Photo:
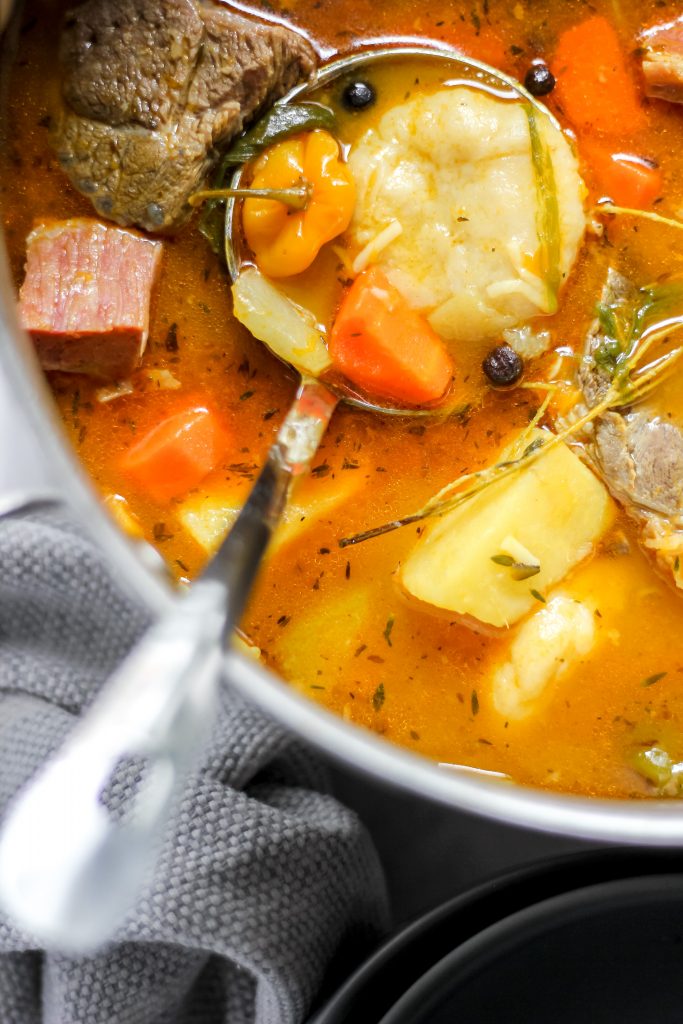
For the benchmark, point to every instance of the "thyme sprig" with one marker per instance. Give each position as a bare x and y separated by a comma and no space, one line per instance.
630,383
548,211
631,328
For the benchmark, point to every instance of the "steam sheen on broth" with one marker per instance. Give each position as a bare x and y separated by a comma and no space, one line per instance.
585,684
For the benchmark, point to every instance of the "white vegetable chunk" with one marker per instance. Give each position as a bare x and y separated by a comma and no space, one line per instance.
455,167
289,330
547,645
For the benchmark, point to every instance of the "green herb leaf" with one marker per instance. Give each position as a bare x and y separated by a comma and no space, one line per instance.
539,597
638,317
378,697
548,213
211,225
474,703
520,571
387,630
278,123
608,320
651,680
533,447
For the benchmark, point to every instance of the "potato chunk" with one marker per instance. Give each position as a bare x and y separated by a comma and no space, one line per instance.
555,510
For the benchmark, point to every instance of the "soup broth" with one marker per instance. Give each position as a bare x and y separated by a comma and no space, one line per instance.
333,621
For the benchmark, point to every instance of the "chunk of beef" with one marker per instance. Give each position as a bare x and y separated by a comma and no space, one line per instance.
86,295
638,455
152,88
663,61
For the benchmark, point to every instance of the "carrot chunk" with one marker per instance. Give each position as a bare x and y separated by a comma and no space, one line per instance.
176,454
595,89
626,179
387,348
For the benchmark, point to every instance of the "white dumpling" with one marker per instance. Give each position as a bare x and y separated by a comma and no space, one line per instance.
455,169
552,641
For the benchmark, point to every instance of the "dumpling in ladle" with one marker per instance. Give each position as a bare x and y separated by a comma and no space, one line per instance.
489,200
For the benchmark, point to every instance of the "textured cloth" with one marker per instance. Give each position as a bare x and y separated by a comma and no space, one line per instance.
264,878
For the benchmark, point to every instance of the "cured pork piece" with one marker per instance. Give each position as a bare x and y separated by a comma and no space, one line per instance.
152,88
638,452
663,61
86,296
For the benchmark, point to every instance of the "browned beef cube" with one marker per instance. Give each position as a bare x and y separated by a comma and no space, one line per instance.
153,89
86,296
663,61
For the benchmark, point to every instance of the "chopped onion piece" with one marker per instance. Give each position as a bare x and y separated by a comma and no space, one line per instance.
290,331
109,393
163,380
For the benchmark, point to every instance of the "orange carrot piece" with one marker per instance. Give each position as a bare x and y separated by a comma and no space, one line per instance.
176,454
595,89
626,179
482,45
387,348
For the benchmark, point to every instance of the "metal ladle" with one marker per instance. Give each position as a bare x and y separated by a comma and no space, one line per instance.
70,871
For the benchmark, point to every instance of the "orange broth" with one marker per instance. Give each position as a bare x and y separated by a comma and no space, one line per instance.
331,621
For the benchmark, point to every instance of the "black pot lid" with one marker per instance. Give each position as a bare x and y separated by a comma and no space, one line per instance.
378,985
602,954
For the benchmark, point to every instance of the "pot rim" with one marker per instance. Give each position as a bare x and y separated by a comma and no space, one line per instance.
56,474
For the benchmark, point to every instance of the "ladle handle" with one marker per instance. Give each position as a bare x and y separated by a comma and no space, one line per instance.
239,557
70,868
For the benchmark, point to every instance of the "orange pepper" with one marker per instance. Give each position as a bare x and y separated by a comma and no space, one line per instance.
286,241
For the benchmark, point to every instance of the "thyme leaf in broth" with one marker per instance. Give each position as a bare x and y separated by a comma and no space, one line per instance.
654,678
548,211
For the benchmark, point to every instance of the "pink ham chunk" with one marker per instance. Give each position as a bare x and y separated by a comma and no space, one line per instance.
663,61
86,296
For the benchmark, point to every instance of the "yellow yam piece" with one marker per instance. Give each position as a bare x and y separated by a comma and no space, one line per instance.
244,646
554,508
208,517
311,646
118,507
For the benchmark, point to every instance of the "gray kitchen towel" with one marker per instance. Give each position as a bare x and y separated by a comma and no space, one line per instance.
265,877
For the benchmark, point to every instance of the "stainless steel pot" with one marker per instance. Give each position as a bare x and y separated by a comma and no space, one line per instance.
38,465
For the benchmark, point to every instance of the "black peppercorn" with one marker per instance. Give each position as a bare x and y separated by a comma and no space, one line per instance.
358,95
539,80
503,366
